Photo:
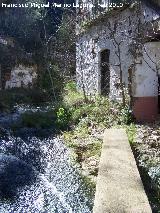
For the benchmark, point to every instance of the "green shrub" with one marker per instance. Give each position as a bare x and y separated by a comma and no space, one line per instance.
70,86
71,97
63,117
126,116
131,132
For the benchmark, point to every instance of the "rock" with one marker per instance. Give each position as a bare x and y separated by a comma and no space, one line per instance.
3,132
14,173
90,166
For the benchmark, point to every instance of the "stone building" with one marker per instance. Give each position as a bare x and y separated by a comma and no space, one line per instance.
118,50
21,76
17,68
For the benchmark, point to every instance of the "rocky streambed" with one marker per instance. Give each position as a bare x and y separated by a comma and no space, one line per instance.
35,172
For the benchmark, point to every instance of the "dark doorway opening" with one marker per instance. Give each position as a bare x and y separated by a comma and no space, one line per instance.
105,72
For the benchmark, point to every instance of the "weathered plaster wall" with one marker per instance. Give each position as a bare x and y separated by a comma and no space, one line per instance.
22,76
145,84
100,37
146,73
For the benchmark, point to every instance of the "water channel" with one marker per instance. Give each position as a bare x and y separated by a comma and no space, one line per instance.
35,172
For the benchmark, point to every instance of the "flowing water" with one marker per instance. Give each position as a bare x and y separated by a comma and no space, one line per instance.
48,182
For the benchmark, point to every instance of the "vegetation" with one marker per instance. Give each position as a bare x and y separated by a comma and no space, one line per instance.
99,110
87,123
38,37
16,96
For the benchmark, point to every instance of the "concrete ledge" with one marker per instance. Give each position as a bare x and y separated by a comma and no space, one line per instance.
119,187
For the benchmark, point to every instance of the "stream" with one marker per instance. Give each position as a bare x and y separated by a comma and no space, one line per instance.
35,173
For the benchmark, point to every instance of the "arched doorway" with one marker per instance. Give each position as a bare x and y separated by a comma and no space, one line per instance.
105,72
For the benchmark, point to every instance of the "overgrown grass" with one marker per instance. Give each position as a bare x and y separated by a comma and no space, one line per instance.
98,110
89,188
57,119
88,121
131,133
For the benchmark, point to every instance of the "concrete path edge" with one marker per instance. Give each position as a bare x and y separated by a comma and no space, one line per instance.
119,187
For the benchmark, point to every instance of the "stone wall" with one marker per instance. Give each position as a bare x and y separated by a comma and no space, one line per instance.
118,30
21,76
17,67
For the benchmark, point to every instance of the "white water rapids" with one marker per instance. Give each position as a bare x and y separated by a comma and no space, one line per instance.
58,188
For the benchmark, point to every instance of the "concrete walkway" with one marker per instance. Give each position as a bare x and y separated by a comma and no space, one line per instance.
119,187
